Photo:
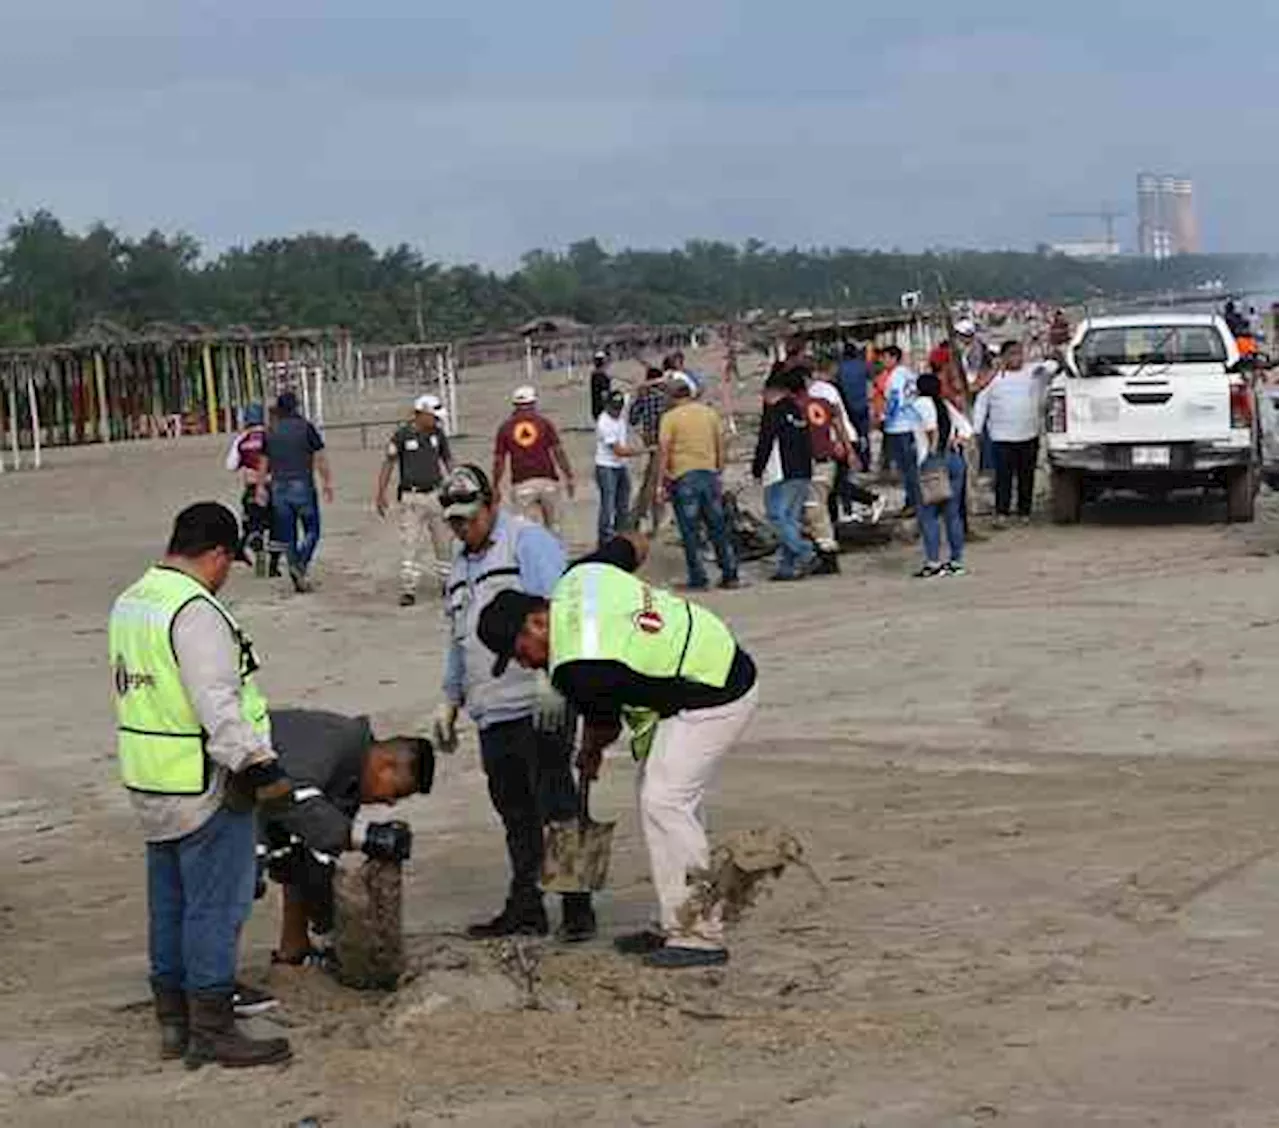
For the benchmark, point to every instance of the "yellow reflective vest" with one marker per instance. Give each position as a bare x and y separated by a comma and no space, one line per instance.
602,613
159,739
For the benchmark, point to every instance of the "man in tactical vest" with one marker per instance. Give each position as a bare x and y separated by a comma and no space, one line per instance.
420,452
621,650
189,719
526,732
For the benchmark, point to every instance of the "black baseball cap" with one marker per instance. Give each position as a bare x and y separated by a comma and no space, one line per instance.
207,525
501,622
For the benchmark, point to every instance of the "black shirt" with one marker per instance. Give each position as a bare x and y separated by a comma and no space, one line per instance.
291,448
601,383
422,457
784,425
599,688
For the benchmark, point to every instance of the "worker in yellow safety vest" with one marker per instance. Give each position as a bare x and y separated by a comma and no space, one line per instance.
194,743
620,649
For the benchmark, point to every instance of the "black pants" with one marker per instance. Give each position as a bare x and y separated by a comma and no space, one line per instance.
257,519
530,784
1016,460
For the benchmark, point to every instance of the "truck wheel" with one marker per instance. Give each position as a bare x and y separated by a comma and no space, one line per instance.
1241,488
1065,496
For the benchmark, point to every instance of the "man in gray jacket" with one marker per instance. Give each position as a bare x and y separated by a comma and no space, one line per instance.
526,732
336,766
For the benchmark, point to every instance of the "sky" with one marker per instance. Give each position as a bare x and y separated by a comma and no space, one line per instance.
476,130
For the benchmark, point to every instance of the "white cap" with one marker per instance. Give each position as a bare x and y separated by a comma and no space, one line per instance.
685,379
600,355
965,327
524,395
428,403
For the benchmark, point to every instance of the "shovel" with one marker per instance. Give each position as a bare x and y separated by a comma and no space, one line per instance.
575,855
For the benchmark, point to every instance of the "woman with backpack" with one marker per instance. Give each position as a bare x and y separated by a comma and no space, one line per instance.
941,431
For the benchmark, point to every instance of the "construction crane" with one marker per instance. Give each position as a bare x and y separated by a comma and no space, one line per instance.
1104,213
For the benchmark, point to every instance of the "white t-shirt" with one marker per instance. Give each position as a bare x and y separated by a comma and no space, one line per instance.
609,431
824,390
927,420
1010,405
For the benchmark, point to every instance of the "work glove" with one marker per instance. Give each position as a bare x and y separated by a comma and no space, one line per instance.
444,728
550,709
388,841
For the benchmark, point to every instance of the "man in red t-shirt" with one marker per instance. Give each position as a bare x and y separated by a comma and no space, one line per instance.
246,457
529,439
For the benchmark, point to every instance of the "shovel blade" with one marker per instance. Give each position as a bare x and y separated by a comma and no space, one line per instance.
575,857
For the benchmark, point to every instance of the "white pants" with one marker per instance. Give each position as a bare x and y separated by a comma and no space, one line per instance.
671,786
422,523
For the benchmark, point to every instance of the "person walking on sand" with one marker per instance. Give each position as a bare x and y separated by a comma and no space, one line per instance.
645,416
529,440
941,433
245,457
620,649
900,422
192,732
293,457
419,452
691,458
613,448
783,465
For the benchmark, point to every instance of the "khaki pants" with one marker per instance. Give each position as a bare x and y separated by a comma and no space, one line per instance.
422,520
817,517
671,785
646,505
538,499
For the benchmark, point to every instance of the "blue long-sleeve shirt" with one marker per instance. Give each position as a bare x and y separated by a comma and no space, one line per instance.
541,560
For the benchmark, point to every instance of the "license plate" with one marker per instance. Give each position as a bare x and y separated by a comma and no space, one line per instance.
1150,456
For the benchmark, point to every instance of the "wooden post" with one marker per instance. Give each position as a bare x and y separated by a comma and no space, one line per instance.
224,380
391,367
100,383
318,373
453,390
13,418
35,419
360,373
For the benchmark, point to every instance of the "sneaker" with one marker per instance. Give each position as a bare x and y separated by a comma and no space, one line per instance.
784,577
929,572
408,599
828,564
531,921
249,1001
957,568
673,957
730,583
1000,521
299,577
1024,520
639,943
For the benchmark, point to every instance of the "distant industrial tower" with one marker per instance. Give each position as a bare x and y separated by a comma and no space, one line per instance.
1166,217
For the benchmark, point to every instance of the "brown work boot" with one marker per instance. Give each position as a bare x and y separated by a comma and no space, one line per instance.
171,1013
214,1036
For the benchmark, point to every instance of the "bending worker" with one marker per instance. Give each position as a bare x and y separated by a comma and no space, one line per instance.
336,765
420,453
189,719
619,649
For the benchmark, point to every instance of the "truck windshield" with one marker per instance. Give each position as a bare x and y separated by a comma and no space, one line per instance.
1102,351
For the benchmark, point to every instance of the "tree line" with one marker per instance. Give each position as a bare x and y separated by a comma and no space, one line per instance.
55,282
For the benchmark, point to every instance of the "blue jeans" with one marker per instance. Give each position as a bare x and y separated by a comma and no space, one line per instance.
860,417
783,506
199,893
951,512
902,449
294,504
614,484
697,496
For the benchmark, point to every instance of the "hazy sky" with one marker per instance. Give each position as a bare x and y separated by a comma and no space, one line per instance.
479,129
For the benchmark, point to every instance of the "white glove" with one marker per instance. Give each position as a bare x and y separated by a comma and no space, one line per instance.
444,729
550,709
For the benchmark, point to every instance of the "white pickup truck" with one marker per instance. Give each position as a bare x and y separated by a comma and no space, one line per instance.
1153,402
